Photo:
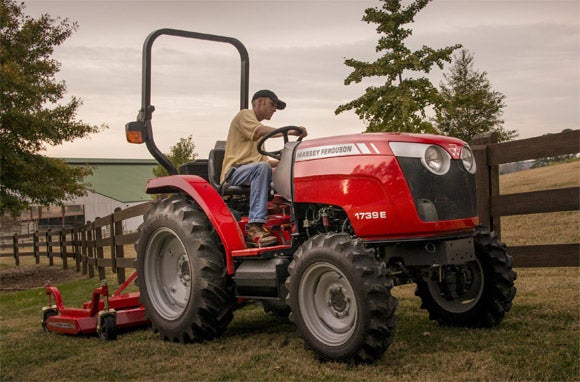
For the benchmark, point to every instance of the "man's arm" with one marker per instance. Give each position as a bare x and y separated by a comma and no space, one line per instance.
263,130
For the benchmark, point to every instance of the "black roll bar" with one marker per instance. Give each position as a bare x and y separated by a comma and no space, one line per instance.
146,112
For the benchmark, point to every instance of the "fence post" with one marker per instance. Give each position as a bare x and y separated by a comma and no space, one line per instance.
119,249
487,179
49,253
15,247
90,246
99,252
63,253
76,248
36,247
84,248
113,246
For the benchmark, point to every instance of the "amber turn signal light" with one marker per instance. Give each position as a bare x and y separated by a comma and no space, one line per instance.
134,132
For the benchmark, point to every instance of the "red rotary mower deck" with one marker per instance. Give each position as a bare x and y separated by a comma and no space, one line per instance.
103,314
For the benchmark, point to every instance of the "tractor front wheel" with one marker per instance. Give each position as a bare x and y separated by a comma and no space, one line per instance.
476,294
341,301
181,273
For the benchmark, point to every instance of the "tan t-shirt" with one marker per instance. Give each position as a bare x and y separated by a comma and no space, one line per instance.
242,142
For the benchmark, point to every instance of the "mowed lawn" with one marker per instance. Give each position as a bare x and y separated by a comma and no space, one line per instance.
538,340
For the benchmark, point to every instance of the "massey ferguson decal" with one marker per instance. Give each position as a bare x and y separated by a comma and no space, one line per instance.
454,150
335,151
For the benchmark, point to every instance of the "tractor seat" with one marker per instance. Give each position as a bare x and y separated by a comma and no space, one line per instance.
215,162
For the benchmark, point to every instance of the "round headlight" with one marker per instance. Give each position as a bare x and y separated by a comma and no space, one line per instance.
436,160
468,159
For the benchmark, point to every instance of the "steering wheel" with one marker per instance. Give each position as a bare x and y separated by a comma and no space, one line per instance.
282,130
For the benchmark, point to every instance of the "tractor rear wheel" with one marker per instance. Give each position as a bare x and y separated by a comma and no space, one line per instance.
181,273
476,294
341,301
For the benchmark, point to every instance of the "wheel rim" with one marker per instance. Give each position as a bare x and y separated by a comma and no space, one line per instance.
327,304
468,295
167,273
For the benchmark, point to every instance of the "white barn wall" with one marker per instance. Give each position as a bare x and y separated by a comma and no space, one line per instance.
98,206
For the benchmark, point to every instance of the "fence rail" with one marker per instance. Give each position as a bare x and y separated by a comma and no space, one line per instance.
98,245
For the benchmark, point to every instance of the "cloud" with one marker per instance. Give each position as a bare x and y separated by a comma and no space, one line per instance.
530,50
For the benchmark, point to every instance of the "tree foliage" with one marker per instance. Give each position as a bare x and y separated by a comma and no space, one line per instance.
469,104
402,102
183,152
32,114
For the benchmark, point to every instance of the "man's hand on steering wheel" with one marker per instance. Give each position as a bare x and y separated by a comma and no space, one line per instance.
303,134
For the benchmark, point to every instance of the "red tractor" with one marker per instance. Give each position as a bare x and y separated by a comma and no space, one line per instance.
355,215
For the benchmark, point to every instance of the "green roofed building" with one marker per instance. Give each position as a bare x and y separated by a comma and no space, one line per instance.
122,180
115,183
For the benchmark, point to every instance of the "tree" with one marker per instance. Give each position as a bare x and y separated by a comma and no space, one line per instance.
183,152
400,104
469,104
32,114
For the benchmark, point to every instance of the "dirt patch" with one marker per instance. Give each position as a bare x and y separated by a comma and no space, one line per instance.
35,276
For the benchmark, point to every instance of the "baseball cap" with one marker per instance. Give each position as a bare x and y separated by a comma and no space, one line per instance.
280,105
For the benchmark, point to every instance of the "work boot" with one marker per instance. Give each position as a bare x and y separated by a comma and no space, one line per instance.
258,235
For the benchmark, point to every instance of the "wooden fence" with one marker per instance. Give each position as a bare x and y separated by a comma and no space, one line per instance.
492,205
85,246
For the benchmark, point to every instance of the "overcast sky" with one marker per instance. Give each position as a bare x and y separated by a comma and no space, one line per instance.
530,50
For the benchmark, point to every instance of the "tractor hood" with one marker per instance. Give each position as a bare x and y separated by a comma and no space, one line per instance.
370,144
406,184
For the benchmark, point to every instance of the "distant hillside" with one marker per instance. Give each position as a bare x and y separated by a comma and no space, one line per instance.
542,178
548,228
508,168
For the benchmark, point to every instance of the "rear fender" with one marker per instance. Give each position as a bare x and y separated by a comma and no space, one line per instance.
212,205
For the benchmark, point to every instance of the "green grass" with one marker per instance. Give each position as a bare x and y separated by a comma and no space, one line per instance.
538,340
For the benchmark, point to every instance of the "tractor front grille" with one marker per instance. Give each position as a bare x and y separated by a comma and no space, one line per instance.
440,197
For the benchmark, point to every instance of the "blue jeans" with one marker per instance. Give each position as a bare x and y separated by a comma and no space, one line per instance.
258,176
